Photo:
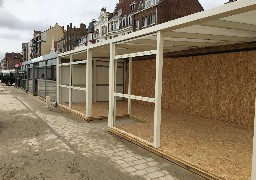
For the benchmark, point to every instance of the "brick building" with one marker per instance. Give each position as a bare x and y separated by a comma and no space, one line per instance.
174,9
71,36
11,59
133,15
41,44
26,51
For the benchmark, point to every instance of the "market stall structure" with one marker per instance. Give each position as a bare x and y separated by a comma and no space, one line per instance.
182,78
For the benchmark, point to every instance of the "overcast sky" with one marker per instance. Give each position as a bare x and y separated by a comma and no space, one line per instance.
18,18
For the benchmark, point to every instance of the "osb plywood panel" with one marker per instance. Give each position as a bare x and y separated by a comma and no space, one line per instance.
218,86
221,148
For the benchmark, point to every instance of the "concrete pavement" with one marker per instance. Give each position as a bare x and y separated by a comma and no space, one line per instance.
47,143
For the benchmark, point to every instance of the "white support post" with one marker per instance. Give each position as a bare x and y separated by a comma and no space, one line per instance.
89,84
111,115
130,87
253,177
158,88
58,80
115,90
94,80
70,83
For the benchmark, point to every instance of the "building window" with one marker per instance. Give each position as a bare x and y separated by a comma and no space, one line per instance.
132,6
137,24
130,20
110,27
150,19
144,21
120,12
149,3
115,26
102,31
124,22
153,18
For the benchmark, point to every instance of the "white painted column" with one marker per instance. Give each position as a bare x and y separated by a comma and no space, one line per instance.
89,84
130,86
115,90
111,115
58,80
253,177
94,80
70,83
158,89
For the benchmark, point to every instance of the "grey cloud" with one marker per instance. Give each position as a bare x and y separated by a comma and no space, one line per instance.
1,3
2,55
10,21
10,36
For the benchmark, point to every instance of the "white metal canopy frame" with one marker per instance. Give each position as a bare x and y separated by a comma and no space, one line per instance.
70,85
229,24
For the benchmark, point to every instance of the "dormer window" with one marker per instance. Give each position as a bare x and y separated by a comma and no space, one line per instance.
124,21
132,6
120,12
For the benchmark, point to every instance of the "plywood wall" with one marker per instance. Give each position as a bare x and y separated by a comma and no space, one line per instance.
219,86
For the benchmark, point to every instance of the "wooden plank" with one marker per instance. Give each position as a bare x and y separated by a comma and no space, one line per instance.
143,53
139,98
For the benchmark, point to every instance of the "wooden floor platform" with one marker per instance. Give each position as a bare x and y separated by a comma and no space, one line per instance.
160,153
99,110
217,148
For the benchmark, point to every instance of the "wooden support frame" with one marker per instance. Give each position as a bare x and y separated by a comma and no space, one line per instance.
158,88
70,83
89,84
94,80
58,78
130,87
158,85
111,115
204,19
139,98
144,53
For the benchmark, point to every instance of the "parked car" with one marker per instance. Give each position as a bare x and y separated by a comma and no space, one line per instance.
8,77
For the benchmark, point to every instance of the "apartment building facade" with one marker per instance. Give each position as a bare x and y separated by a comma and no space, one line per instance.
71,37
41,44
10,60
101,26
134,15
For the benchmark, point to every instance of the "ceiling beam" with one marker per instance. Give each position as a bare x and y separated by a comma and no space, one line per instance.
207,37
230,25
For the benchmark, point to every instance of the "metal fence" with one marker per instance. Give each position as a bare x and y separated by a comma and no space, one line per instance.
23,84
47,88
30,86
